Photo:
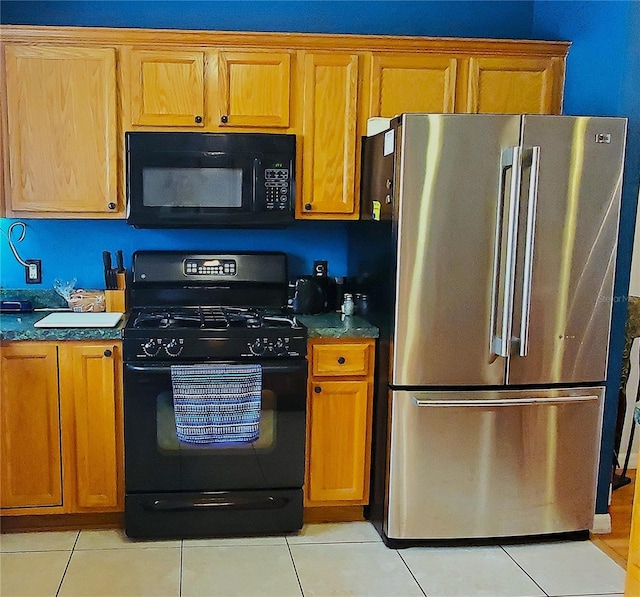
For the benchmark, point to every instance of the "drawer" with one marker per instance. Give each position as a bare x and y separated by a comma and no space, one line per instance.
341,359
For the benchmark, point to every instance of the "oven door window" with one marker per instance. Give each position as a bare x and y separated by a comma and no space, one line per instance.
157,461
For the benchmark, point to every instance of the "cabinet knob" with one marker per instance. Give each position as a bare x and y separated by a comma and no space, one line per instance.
111,206
307,206
198,119
224,119
341,360
317,389
107,353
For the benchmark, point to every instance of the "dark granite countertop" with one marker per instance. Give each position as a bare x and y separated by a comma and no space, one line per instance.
334,325
19,326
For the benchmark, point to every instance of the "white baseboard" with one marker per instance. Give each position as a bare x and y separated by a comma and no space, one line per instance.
601,524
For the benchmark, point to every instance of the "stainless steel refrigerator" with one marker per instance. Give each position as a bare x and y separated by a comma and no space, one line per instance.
503,233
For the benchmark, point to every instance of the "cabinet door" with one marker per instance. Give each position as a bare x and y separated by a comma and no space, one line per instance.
62,128
30,417
513,85
90,389
412,83
167,88
254,89
338,458
329,137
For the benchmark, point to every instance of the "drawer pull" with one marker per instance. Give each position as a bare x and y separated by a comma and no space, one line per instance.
317,389
107,353
341,360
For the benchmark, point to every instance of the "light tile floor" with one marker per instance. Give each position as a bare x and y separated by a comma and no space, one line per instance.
323,559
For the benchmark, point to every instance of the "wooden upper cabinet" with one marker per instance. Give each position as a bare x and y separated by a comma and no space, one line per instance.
62,131
514,85
31,467
254,89
412,83
167,88
329,136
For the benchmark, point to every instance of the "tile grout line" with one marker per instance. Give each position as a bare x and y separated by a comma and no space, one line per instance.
523,570
294,566
411,572
64,573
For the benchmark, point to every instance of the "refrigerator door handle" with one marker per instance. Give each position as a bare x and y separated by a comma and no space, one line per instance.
532,204
503,284
529,400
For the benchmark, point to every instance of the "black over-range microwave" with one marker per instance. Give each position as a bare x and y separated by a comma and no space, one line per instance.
202,180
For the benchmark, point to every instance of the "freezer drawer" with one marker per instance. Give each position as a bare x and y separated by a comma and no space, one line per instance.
482,464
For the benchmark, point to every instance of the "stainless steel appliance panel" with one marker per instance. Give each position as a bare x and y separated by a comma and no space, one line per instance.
572,241
492,463
451,196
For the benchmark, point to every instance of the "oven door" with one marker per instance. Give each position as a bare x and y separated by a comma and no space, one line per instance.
156,461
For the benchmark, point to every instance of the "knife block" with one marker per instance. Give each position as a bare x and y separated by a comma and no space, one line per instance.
115,300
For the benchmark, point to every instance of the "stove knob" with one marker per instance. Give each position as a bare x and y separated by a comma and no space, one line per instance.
279,348
151,348
173,347
257,348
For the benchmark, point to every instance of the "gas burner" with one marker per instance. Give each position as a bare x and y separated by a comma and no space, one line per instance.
218,318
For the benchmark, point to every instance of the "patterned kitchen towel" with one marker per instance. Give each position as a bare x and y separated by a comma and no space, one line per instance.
216,403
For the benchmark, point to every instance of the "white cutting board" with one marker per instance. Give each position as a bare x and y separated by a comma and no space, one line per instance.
79,320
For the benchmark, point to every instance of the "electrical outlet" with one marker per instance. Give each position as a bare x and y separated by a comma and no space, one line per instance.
33,271
320,269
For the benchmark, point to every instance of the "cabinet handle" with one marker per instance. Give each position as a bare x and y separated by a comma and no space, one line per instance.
198,119
111,206
107,353
341,360
307,206
224,119
317,389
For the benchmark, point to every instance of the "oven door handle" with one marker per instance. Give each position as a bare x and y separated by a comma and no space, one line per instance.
288,367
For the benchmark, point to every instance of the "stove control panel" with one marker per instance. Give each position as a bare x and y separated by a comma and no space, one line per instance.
210,267
188,349
278,347
161,347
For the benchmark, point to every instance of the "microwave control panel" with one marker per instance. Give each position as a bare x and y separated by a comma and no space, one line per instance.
276,181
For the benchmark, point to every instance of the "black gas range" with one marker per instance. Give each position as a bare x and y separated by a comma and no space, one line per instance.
202,314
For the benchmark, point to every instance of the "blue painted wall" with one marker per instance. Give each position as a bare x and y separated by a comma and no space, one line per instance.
603,78
459,18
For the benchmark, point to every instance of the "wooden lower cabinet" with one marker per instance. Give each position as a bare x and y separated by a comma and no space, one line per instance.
339,411
62,448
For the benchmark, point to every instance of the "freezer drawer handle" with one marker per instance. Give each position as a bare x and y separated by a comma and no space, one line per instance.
504,267
504,402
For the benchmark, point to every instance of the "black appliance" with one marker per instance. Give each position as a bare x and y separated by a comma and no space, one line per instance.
208,180
312,294
202,308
